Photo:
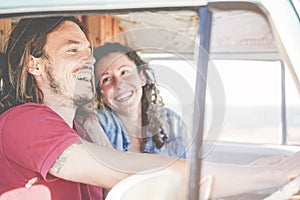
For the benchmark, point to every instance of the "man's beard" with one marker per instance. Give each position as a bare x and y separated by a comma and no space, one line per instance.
78,99
54,85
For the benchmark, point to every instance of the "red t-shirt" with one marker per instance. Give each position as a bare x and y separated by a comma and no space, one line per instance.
32,136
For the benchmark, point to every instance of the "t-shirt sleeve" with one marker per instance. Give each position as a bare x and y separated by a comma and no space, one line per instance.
35,137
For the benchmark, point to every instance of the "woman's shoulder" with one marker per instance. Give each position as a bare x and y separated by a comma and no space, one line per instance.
174,119
106,115
172,114
109,120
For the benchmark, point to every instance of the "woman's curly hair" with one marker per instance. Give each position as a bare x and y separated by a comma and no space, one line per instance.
153,110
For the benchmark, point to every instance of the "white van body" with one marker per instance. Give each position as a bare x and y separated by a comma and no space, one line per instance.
204,35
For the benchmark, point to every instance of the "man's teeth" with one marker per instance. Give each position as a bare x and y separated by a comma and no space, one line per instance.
83,76
124,96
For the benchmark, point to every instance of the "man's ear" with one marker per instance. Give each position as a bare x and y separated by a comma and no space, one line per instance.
33,66
143,78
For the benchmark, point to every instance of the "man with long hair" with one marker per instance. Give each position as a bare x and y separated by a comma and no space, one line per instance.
48,76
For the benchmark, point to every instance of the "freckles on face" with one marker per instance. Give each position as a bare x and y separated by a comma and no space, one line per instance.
119,81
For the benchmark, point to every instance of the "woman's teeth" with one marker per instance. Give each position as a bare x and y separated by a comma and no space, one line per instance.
124,96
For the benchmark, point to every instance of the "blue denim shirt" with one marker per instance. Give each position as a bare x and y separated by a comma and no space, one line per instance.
174,127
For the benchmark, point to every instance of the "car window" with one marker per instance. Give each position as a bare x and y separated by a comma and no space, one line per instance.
261,105
253,101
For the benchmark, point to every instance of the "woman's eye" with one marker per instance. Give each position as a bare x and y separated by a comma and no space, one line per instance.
105,80
124,72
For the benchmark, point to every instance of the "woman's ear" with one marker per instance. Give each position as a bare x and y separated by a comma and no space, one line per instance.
33,66
143,78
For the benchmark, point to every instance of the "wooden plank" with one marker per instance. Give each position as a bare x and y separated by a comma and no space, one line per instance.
118,32
5,29
106,28
92,22
103,28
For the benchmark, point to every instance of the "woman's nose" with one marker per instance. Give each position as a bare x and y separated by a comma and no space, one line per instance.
119,83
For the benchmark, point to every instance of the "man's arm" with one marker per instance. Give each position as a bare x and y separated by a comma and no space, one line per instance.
230,179
91,164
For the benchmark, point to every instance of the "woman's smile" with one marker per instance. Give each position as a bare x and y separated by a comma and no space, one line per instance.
125,96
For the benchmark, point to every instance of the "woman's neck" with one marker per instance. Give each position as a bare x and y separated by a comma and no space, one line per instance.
132,122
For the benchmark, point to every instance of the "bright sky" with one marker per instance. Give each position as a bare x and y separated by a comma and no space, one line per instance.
245,83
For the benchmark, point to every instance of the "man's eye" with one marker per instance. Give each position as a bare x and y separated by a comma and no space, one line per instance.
72,50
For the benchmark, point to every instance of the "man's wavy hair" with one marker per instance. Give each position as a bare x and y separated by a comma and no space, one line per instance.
153,110
27,38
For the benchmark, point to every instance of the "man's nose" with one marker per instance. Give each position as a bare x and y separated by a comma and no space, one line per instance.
90,59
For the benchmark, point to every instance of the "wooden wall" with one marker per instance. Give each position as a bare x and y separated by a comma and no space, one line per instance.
5,29
102,27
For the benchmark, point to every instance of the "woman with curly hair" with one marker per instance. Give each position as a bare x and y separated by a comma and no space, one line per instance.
131,110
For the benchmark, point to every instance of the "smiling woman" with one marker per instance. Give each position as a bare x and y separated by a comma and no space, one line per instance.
130,107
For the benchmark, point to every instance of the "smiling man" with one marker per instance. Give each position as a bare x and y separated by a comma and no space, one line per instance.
50,70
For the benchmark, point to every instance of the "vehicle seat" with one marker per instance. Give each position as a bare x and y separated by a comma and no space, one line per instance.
160,185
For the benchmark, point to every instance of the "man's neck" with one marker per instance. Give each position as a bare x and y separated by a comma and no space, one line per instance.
64,108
